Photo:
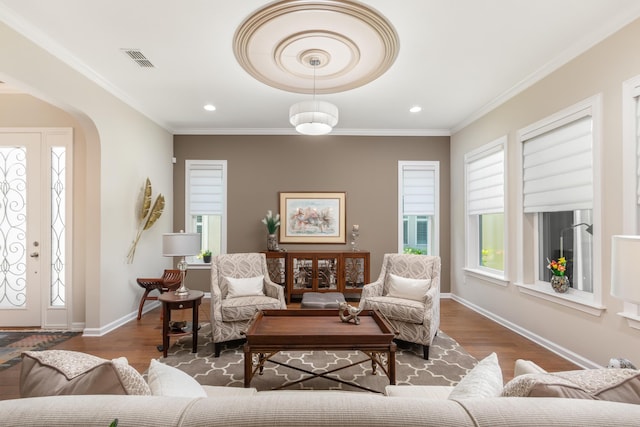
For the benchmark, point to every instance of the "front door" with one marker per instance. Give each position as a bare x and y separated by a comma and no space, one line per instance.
34,192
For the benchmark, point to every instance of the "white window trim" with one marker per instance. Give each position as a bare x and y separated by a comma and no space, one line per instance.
587,302
472,265
435,165
630,207
223,238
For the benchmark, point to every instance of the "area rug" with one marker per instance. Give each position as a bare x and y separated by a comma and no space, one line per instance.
448,363
13,343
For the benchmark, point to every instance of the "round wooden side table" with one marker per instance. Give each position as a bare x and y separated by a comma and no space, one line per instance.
171,301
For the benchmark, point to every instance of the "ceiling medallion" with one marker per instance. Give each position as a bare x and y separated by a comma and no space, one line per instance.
354,43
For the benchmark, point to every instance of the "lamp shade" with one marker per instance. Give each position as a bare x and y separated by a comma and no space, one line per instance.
180,244
313,117
625,268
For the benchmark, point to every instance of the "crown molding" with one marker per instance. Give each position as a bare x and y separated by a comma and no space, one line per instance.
18,24
291,131
562,59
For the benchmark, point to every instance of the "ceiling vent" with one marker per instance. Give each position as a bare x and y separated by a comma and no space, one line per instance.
138,57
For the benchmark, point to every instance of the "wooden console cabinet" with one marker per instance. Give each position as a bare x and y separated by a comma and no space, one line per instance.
319,271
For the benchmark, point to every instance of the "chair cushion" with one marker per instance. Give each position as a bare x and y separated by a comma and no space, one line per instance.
244,287
58,372
408,288
243,308
405,310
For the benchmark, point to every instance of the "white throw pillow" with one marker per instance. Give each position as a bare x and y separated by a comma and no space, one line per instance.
484,380
402,287
165,380
245,287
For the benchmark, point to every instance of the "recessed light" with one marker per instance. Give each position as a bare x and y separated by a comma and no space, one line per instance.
415,109
210,107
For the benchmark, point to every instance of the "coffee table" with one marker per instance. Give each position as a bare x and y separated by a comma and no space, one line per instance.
272,331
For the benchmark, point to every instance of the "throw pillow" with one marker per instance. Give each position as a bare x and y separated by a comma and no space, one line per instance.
56,372
165,380
484,380
617,385
248,286
413,289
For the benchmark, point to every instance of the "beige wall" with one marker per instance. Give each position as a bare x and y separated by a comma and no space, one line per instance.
366,168
122,148
601,70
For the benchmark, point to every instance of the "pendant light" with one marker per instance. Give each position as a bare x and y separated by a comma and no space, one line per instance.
313,117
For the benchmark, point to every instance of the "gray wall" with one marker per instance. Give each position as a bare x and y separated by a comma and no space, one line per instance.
364,167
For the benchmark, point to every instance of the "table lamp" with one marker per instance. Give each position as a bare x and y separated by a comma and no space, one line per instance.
625,268
182,245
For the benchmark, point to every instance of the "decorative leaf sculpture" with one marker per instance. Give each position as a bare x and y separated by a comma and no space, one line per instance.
148,216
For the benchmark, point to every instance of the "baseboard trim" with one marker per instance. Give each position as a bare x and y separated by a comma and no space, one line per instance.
549,345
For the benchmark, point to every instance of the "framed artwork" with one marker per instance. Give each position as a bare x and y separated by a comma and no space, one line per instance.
308,217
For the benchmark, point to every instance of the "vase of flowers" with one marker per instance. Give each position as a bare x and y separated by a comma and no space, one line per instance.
272,223
559,282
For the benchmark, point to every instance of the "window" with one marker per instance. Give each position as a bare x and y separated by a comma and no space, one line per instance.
567,234
560,203
418,198
206,203
484,180
631,156
631,176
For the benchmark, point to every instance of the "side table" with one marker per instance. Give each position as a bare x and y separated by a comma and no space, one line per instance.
171,301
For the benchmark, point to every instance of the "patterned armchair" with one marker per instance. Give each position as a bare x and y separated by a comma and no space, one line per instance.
240,286
408,294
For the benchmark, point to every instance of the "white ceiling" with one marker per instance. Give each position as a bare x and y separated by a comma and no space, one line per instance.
457,58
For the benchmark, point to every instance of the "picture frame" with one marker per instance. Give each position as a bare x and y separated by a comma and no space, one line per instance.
313,217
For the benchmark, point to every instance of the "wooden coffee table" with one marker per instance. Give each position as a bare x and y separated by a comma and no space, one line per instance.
272,331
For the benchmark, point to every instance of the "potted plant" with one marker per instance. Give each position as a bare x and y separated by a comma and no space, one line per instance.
272,223
206,256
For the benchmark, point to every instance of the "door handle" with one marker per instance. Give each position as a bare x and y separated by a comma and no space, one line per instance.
34,254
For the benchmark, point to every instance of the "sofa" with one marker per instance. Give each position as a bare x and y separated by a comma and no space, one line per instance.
175,399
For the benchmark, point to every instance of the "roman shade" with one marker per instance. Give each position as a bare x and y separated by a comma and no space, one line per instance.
205,187
485,182
557,168
418,190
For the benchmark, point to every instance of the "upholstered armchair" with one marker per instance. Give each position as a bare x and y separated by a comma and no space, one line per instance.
240,286
407,293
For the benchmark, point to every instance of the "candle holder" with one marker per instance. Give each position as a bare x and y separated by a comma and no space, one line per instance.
355,234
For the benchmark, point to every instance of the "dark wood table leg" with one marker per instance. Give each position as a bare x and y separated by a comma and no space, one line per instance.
248,366
392,364
194,326
166,318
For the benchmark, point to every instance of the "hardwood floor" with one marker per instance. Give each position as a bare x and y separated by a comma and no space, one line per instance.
138,340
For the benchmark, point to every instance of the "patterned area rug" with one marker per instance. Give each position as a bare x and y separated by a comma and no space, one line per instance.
448,363
13,343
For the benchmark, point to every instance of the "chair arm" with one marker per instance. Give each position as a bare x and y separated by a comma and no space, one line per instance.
369,290
274,290
432,306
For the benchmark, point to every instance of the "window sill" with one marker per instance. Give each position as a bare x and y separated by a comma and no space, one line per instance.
632,319
199,266
572,298
486,276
